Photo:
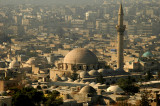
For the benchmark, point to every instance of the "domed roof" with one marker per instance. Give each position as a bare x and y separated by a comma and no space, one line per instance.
14,64
84,74
70,80
87,90
81,56
31,60
93,73
87,83
147,54
64,78
93,83
101,70
98,84
77,81
82,81
104,72
115,89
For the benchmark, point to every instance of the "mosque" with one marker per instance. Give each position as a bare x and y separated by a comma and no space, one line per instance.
144,63
80,59
77,60
85,63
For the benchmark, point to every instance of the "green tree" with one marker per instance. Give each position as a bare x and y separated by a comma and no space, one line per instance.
21,100
128,85
100,79
27,94
54,99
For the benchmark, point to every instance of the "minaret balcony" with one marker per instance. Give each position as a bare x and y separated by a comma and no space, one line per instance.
120,28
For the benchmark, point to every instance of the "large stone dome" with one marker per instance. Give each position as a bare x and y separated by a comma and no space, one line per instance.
81,56
88,90
114,89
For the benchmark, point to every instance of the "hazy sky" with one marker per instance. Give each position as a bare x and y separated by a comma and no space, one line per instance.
47,1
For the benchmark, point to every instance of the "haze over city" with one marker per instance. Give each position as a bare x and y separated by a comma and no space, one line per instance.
79,52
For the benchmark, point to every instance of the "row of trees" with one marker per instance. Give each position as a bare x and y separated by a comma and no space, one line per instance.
32,97
127,84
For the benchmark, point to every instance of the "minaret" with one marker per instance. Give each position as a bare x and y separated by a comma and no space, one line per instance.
120,33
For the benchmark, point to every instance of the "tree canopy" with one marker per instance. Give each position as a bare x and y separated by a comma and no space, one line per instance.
31,97
27,96
54,99
127,84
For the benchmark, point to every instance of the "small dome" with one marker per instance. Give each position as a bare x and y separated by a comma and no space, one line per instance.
82,81
64,78
35,86
77,81
14,64
81,56
84,74
28,85
31,61
98,84
114,89
104,72
40,80
101,70
103,84
93,83
70,80
79,71
87,90
93,73
147,54
87,83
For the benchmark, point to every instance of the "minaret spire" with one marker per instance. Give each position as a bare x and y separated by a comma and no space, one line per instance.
120,9
120,33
